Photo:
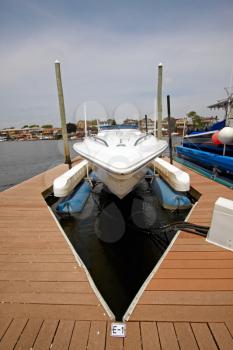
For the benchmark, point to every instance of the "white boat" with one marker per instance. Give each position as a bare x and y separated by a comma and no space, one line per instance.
119,155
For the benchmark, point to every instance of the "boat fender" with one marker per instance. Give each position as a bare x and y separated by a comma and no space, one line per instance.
226,135
176,178
215,138
75,202
65,183
167,196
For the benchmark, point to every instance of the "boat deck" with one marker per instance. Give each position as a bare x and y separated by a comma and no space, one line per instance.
46,299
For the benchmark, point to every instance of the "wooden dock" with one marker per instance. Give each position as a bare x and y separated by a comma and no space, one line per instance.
46,300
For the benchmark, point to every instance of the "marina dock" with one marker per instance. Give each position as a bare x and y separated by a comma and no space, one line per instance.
47,300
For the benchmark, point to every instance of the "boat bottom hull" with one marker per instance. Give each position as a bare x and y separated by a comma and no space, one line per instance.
119,185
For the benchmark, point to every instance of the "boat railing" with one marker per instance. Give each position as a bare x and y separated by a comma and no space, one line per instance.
141,138
96,138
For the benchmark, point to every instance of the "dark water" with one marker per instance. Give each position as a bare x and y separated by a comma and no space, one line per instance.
113,238
20,160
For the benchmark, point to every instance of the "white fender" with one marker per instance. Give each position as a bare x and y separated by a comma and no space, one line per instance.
64,184
176,178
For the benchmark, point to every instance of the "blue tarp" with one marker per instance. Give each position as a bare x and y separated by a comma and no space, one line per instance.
216,126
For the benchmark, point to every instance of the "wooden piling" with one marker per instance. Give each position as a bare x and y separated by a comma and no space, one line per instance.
169,128
146,123
62,113
159,101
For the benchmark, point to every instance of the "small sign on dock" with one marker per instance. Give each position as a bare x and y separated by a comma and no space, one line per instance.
118,329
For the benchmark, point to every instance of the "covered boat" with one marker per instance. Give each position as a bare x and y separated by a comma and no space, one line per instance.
212,149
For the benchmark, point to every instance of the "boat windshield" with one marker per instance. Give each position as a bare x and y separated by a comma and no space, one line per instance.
118,126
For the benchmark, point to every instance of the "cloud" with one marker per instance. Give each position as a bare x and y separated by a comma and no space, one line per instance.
111,66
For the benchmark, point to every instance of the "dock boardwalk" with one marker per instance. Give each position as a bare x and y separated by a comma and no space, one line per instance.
46,300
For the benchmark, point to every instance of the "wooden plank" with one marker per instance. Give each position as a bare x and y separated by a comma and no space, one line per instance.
12,334
46,334
188,235
37,216
31,234
43,287
167,336
182,313
18,258
194,273
28,238
113,343
191,284
6,223
229,326
35,267
11,197
63,335
149,335
80,335
225,255
29,335
32,217
201,220
66,312
29,231
132,341
43,276
45,223
22,213
185,336
196,248
37,251
23,232
221,336
197,240
4,324
97,336
186,298
203,336
50,298
22,246
9,241
197,264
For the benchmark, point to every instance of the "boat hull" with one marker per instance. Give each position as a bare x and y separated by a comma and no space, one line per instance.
120,161
119,185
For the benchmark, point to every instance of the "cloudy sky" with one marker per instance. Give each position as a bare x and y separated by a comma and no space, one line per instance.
109,52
